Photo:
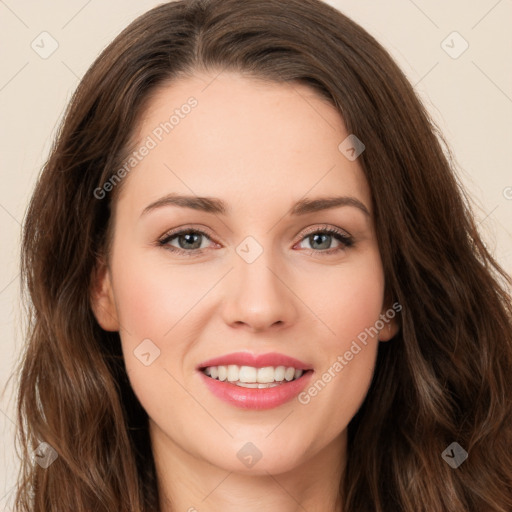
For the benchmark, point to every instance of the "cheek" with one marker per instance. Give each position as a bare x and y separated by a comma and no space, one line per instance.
350,308
156,303
349,300
153,300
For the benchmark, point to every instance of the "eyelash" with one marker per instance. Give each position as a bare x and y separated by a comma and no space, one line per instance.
346,241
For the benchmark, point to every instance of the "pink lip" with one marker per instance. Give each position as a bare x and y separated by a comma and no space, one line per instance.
255,398
256,360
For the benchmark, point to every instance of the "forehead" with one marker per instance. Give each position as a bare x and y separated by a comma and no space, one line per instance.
242,139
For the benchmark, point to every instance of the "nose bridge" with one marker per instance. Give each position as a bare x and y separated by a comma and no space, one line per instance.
258,295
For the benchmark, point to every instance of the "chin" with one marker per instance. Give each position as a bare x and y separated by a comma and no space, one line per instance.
258,456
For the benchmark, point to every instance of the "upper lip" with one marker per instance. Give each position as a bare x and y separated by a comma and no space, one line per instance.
255,360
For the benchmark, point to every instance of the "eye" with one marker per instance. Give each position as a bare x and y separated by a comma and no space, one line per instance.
192,242
188,241
320,240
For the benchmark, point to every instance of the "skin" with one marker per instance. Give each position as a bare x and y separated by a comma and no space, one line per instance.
260,147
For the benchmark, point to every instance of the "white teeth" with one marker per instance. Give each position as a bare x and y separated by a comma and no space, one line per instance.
247,374
289,374
251,377
266,375
247,385
223,372
256,385
279,373
233,373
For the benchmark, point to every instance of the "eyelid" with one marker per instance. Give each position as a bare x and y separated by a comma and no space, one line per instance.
203,229
324,227
199,228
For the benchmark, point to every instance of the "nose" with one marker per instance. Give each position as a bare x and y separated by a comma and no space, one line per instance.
258,296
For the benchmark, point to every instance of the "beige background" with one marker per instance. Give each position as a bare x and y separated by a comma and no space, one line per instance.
469,96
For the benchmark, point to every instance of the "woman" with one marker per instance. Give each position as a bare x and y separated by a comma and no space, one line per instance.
245,371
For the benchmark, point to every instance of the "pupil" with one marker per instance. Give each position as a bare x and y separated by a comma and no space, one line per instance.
189,239
326,237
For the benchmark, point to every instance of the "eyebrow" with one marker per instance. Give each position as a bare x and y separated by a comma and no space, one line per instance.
218,206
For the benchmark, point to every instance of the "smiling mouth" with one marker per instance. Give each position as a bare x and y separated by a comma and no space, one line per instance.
252,377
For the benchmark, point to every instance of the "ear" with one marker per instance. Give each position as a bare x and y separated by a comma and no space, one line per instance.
389,317
102,298
390,329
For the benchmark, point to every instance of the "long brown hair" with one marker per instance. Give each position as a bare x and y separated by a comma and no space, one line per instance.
446,377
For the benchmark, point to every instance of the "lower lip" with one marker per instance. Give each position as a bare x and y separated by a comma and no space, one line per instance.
256,398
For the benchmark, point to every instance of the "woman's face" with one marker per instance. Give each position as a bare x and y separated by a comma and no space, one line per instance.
261,268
